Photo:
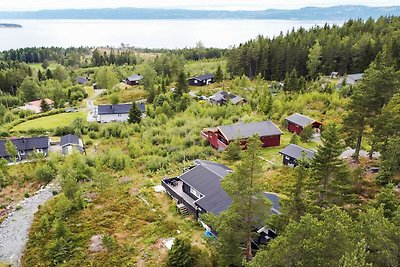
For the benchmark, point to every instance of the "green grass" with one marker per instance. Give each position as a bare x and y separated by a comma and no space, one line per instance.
38,66
50,122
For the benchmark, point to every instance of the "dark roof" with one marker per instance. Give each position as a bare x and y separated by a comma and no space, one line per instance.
246,130
295,151
204,77
206,178
300,119
135,78
25,144
119,108
69,139
274,198
82,80
226,96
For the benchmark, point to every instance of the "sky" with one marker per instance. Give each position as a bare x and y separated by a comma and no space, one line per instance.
8,5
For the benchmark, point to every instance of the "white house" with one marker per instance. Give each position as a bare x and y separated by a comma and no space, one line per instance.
115,113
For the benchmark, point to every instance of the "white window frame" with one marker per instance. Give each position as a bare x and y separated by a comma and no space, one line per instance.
195,192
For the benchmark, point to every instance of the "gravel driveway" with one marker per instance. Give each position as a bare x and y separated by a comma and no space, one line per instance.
14,230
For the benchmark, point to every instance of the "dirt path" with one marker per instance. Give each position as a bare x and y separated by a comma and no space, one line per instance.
14,230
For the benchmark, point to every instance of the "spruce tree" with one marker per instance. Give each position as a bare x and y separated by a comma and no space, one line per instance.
135,115
330,176
219,76
180,254
249,208
181,85
44,107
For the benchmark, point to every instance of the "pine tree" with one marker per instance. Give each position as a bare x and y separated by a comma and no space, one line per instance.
330,174
249,207
219,76
49,74
181,85
180,254
11,150
233,151
135,115
40,76
356,258
44,107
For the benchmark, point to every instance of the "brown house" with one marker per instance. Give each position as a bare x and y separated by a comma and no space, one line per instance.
297,122
220,136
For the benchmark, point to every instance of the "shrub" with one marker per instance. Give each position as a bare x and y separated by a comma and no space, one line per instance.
44,173
307,134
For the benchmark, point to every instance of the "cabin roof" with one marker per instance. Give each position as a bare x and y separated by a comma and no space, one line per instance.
203,77
300,119
135,78
69,139
24,144
296,152
246,130
206,178
119,108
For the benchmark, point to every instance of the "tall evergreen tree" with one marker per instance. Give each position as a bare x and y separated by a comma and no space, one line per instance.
135,115
330,175
44,107
180,254
314,60
181,85
11,150
249,207
219,76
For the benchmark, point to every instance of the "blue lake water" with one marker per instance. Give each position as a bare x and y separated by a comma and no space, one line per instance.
143,33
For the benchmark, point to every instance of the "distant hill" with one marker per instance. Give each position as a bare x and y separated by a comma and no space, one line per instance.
9,25
308,13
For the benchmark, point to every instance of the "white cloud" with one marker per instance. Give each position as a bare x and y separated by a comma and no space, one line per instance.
193,4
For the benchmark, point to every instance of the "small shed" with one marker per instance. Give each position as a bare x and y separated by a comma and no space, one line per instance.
297,122
292,153
133,79
201,80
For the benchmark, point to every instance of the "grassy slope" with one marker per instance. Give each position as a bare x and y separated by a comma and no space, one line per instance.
50,122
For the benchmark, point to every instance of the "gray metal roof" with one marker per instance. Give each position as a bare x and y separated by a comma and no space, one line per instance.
24,144
300,119
204,77
295,151
226,96
69,139
246,130
119,108
135,78
206,178
353,78
274,198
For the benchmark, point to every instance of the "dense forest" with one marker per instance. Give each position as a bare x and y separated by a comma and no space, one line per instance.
335,210
346,49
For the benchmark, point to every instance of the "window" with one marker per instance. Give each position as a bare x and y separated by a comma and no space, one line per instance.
39,150
195,192
22,152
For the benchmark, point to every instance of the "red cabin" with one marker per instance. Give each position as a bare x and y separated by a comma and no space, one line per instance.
297,122
220,137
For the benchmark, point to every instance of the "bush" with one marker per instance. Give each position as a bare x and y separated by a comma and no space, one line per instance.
180,254
44,173
307,134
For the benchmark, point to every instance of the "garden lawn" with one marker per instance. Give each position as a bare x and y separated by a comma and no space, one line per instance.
50,122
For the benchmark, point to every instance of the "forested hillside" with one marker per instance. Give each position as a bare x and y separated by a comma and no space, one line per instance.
346,49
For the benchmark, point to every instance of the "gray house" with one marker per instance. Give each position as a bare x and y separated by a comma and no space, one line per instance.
26,147
223,97
198,190
292,153
71,142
